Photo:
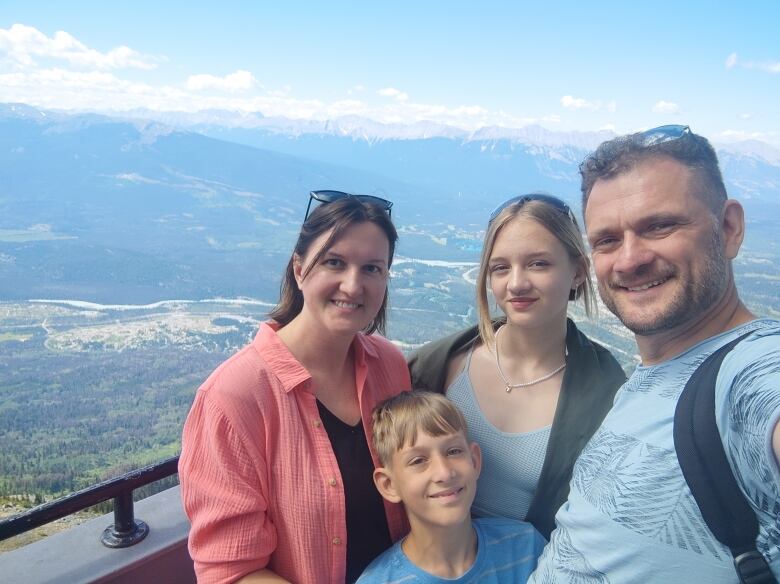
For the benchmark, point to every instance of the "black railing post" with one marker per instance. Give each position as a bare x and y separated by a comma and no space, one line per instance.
125,531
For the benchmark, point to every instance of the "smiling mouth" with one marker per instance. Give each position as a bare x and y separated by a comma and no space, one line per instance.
343,304
447,493
644,287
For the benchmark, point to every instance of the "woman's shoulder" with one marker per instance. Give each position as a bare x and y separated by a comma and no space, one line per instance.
380,345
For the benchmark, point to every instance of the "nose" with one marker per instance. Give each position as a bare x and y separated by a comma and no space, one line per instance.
443,470
518,280
352,282
632,255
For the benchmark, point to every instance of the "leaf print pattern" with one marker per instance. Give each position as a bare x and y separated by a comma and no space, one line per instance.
641,487
570,565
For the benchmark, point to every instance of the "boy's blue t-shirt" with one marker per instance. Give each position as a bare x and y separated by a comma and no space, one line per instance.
507,551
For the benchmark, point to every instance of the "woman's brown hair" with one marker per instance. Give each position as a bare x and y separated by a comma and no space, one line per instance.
335,217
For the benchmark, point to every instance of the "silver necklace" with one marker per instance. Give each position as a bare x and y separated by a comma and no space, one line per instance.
511,386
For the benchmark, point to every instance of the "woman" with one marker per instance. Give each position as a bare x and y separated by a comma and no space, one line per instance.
532,387
276,467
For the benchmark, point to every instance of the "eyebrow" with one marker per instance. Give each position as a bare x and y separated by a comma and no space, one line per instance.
532,254
330,253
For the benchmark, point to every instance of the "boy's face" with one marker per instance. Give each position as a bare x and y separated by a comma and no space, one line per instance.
436,479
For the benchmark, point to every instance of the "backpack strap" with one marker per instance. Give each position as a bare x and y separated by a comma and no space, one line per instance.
706,470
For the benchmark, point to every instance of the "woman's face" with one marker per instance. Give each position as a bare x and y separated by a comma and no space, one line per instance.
531,274
344,291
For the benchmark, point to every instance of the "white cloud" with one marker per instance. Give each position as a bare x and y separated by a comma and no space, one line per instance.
576,103
772,67
21,45
238,81
666,107
393,92
612,106
60,72
745,116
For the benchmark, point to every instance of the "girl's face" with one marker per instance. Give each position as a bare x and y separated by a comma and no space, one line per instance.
531,274
344,291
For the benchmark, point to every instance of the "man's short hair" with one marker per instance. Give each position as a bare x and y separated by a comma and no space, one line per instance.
622,154
398,420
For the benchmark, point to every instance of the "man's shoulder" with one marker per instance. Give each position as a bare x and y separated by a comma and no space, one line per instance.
760,348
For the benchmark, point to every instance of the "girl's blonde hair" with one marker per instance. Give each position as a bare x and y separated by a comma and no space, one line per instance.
563,225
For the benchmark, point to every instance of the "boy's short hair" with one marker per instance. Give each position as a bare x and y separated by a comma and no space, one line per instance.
398,420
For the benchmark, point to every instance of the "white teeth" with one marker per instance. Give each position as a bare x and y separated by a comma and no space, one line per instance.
342,304
645,286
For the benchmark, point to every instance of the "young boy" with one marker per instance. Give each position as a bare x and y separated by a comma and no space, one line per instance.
429,465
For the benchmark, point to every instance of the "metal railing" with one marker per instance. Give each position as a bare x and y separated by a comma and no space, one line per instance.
125,531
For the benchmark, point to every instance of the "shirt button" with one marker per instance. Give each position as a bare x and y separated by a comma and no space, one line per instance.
317,423
332,482
336,541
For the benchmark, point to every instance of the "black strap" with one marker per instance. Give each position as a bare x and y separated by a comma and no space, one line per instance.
708,474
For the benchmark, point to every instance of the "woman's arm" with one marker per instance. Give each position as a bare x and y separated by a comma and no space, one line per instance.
225,499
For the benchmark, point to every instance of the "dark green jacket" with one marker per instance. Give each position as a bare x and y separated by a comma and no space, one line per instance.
589,384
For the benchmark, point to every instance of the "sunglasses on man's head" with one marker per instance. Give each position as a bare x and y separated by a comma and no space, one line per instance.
648,139
660,135
521,200
324,197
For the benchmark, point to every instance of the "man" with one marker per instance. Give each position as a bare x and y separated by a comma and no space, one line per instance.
663,235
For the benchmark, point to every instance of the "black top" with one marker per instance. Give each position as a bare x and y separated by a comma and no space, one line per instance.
591,378
367,531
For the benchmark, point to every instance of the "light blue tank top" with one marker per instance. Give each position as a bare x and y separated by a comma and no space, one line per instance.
511,462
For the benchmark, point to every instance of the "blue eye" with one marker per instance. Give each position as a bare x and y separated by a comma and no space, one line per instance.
539,264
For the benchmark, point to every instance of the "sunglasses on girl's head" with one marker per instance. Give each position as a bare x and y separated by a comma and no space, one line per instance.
325,197
521,200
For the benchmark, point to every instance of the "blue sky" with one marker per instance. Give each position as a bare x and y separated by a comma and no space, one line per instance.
563,65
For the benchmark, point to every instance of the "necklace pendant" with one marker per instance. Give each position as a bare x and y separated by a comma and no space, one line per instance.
508,388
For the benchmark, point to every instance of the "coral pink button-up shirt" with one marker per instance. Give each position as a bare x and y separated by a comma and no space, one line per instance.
259,479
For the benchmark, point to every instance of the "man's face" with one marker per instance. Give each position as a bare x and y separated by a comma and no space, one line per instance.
657,249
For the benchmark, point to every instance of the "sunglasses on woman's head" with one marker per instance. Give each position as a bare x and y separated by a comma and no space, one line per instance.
521,200
324,197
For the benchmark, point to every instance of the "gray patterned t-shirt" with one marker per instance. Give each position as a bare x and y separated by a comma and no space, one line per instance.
630,516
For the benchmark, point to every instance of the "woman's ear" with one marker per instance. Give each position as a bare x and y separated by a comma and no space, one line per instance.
579,278
383,479
297,269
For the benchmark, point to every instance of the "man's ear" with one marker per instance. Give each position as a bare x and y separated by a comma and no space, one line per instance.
476,456
383,479
732,227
